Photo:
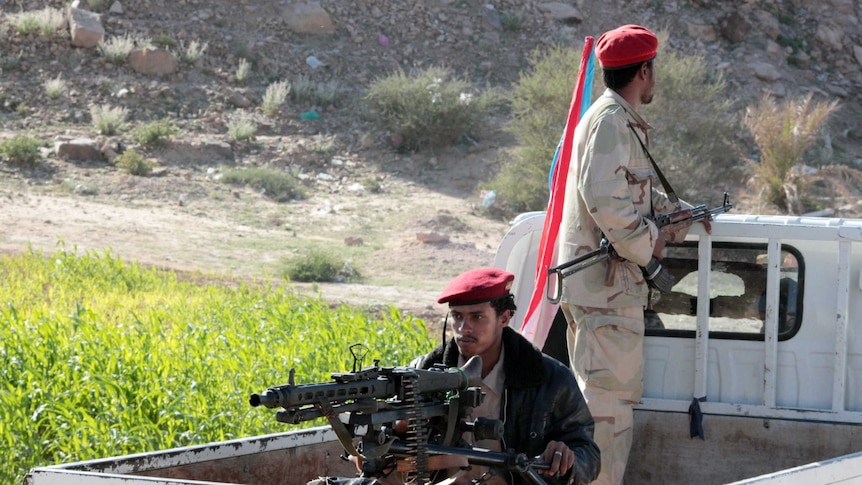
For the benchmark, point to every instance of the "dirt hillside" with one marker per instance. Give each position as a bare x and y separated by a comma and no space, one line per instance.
184,218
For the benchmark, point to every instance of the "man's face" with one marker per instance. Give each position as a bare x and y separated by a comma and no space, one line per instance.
478,329
649,85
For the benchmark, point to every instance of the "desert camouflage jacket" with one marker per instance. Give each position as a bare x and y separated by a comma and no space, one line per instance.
609,191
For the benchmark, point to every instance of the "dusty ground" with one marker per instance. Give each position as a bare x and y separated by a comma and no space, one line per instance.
185,219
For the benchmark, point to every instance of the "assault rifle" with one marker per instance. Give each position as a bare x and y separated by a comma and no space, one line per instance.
375,401
668,223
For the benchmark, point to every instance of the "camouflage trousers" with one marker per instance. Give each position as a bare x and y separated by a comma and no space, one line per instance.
606,353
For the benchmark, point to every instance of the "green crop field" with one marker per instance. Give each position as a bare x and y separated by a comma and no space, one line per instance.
100,357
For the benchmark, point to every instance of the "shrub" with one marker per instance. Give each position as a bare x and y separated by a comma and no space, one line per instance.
327,93
194,51
242,70
241,126
133,163
540,102
319,266
305,90
784,133
154,133
164,41
45,21
429,110
10,62
695,137
55,87
21,150
511,22
274,97
274,184
108,120
302,89
98,5
117,49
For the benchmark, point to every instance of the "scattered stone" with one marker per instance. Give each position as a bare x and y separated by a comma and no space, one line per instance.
308,18
239,100
734,27
85,28
561,12
766,72
152,62
78,149
431,237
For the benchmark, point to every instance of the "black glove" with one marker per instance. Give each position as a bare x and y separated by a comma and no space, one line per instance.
657,277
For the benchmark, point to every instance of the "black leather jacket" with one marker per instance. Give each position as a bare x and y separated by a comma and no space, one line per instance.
541,403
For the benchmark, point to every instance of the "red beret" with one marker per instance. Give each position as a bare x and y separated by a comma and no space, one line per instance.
626,46
477,286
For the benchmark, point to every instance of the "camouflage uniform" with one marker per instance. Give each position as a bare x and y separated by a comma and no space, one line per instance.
609,191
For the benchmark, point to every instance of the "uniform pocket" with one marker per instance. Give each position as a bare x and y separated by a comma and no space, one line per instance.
640,187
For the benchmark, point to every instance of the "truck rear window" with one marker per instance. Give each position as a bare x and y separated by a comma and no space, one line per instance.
737,296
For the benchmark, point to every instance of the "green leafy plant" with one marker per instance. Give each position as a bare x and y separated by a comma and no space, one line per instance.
429,110
133,163
511,22
319,266
98,5
21,150
124,359
274,184
108,120
154,133
784,132
164,41
274,97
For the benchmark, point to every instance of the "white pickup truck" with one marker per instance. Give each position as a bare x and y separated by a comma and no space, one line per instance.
772,351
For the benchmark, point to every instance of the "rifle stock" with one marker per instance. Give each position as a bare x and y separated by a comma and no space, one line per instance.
605,251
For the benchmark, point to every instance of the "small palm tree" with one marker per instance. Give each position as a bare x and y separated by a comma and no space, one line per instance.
784,133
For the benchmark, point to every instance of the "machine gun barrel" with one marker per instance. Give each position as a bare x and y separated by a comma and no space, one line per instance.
384,383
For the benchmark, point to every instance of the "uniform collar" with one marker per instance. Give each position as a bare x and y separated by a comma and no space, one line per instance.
635,119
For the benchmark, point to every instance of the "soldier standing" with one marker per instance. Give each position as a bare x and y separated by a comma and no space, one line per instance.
609,193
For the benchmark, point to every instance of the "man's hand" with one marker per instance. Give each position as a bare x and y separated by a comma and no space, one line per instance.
707,225
658,277
559,456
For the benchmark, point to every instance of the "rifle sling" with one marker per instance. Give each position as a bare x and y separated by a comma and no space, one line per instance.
671,195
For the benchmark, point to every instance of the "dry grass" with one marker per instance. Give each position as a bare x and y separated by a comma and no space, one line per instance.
784,132
45,22
275,95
